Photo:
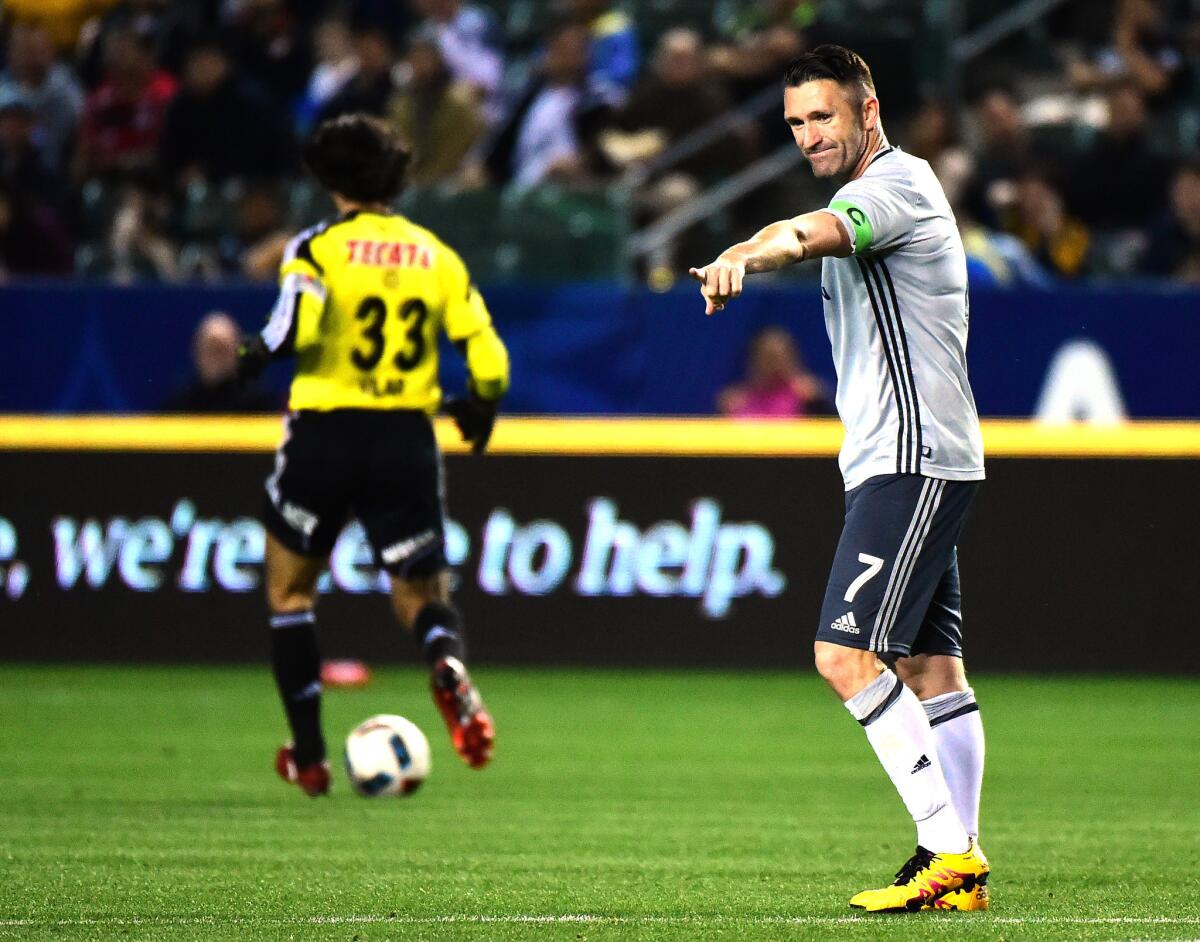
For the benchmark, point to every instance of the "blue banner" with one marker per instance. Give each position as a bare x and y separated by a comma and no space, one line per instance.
598,349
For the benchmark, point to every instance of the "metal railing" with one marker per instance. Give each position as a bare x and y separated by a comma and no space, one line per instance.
1020,17
704,136
664,230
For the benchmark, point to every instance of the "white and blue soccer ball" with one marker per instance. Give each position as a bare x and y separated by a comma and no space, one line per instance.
387,755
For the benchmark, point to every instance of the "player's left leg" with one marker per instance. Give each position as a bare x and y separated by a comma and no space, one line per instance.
422,605
935,673
940,683
401,506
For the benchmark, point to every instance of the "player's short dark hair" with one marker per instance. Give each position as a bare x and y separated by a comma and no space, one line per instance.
358,157
837,63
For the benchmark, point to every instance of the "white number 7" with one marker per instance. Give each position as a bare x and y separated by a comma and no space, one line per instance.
874,564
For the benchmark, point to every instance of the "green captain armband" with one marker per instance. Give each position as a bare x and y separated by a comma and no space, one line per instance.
859,223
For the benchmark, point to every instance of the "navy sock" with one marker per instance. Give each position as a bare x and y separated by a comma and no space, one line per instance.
297,666
438,630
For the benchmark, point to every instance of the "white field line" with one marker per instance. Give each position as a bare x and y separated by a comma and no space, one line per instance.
570,918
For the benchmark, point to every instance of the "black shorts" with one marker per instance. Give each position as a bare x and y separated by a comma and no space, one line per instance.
382,467
894,586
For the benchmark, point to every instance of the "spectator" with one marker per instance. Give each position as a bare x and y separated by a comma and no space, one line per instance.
49,86
1002,153
217,127
1059,242
22,163
778,384
1122,183
755,53
137,246
999,258
1173,248
336,65
371,87
1144,49
270,48
166,27
613,54
679,96
255,247
934,136
758,46
472,45
32,241
746,17
542,138
123,118
439,116
214,387
62,19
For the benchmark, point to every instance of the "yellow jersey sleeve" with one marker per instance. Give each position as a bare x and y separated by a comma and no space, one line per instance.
469,325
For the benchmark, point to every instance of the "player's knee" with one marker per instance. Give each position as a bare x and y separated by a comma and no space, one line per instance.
831,659
409,596
291,579
844,668
289,594
932,675
284,599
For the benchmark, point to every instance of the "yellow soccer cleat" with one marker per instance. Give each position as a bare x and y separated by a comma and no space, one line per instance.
965,900
925,879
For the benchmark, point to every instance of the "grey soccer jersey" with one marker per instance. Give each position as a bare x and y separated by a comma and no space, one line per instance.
896,311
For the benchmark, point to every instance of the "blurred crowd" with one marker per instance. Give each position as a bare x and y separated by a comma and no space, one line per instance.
158,139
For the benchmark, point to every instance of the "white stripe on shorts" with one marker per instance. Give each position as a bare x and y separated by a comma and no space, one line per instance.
910,551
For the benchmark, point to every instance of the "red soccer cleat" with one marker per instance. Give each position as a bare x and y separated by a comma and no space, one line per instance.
313,779
462,708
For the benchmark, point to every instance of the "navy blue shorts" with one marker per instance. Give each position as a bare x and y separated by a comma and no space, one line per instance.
894,586
381,466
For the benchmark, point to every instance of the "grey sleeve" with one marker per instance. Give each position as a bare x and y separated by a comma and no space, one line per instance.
879,213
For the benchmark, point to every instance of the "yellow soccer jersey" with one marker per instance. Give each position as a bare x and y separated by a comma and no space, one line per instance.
361,302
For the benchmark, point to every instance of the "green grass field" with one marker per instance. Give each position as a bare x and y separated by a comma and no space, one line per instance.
140,803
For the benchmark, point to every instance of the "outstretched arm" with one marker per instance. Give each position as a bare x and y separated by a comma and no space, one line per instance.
813,235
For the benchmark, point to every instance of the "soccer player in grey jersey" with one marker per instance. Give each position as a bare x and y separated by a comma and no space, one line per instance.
889,642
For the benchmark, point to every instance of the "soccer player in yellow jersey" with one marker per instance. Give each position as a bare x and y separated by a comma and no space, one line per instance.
362,300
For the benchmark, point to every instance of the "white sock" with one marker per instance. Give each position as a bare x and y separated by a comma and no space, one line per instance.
899,731
958,732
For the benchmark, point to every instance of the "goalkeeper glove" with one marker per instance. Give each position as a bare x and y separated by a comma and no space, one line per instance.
474,416
253,357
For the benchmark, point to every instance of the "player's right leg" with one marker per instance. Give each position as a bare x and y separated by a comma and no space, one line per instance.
423,607
400,505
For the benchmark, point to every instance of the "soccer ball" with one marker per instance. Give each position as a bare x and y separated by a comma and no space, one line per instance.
387,755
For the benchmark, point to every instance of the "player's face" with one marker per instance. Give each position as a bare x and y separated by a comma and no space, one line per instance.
828,125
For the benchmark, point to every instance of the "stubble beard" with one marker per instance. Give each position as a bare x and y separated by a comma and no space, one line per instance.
852,152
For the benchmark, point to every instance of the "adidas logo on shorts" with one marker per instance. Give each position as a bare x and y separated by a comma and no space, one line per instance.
845,623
